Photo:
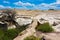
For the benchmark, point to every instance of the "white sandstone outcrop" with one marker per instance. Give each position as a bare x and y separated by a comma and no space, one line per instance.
23,21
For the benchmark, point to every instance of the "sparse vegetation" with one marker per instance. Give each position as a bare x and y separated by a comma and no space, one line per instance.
44,27
1,34
11,33
32,38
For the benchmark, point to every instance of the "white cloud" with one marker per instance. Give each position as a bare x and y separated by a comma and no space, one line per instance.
22,8
42,6
54,5
49,6
58,2
6,2
8,7
19,3
1,6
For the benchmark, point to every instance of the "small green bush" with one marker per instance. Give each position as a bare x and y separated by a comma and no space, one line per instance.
6,38
21,28
32,38
44,27
1,34
11,33
8,35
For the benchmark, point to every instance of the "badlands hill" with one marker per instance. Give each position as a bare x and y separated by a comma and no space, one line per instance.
35,12
51,16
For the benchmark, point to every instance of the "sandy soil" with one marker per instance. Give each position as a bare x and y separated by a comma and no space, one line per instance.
49,36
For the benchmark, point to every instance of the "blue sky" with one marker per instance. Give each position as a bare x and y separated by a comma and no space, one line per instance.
31,4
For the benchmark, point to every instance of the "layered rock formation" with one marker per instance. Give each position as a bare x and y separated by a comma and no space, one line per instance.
14,19
52,18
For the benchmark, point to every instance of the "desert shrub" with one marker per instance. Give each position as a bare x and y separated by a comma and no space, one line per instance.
21,28
1,34
6,38
32,38
11,33
44,27
8,35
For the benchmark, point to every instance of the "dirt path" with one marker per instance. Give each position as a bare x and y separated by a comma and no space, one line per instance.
49,36
29,31
52,36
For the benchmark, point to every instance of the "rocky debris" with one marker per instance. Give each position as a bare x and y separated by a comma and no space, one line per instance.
48,36
52,36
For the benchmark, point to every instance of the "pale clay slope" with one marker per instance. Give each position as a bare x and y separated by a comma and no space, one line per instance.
51,18
48,16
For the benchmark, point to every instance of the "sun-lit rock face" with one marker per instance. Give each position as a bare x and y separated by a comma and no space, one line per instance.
53,19
23,21
11,27
20,19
